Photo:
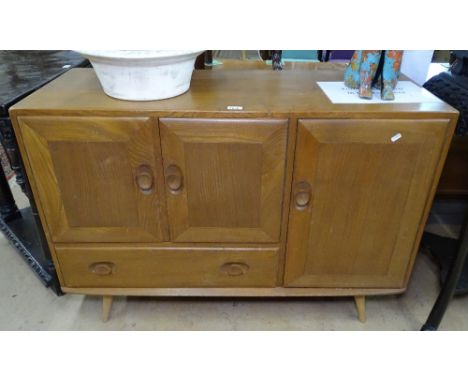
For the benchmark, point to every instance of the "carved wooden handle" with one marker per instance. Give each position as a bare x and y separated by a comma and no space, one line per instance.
302,195
144,178
102,269
174,178
234,269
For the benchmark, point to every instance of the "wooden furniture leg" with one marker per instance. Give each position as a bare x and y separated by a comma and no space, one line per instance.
106,307
361,307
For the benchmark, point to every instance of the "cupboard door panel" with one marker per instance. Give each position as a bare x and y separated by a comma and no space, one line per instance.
98,178
224,179
358,197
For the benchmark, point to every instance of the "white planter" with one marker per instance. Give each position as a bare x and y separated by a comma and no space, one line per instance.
143,75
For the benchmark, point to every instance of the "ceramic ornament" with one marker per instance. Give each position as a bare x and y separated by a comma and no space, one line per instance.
368,68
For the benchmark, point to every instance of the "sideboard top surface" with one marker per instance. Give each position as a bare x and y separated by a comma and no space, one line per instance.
258,92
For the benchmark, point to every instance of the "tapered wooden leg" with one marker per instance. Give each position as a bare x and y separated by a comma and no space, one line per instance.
361,307
106,307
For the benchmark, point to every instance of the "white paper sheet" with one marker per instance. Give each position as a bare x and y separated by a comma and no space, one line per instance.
405,92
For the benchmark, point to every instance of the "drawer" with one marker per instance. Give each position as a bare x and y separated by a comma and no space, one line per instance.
143,267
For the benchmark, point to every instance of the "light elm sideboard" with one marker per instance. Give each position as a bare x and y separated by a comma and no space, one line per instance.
250,184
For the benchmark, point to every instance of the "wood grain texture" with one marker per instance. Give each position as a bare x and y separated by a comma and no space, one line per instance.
437,171
136,267
86,171
235,292
233,178
261,93
291,148
341,152
367,196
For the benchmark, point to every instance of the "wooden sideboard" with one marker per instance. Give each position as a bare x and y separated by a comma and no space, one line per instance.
284,194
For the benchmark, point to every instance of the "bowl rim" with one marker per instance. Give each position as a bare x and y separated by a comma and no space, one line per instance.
142,56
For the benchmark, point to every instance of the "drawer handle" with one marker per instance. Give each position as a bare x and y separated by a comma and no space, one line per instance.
302,195
174,178
144,178
102,269
234,269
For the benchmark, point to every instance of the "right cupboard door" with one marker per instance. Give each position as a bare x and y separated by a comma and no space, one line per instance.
360,188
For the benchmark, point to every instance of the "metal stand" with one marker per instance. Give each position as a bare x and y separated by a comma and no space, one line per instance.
448,289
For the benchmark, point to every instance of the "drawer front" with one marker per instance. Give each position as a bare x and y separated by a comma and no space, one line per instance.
133,267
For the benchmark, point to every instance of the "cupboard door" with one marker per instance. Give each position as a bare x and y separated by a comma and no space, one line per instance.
359,192
224,179
98,178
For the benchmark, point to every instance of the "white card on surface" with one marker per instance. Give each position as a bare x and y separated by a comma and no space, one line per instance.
405,92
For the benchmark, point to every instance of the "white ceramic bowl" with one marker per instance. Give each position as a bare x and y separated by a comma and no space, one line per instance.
143,75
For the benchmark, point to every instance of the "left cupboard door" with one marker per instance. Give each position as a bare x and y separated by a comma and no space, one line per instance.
98,179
